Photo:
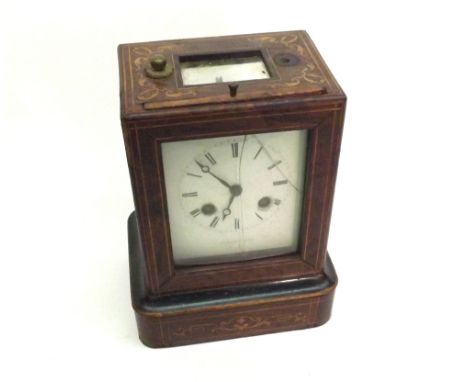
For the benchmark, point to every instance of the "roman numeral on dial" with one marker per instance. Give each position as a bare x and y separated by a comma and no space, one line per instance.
235,149
195,212
210,158
214,221
274,165
189,194
194,175
236,223
258,152
280,182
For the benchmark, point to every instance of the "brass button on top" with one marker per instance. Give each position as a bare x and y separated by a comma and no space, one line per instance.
158,67
158,63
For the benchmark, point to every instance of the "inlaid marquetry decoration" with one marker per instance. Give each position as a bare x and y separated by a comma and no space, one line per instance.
232,145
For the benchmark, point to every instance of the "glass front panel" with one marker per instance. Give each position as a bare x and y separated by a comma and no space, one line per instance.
235,198
233,67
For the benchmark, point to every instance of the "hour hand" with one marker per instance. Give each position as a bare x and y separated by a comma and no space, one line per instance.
227,210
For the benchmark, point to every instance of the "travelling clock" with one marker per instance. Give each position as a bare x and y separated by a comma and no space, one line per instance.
232,144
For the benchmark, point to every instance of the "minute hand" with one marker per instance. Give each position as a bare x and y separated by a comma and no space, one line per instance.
223,182
206,169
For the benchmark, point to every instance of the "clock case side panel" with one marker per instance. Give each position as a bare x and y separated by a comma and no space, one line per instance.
155,268
325,146
143,138
153,273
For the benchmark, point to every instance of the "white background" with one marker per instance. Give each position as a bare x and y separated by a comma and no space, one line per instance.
399,228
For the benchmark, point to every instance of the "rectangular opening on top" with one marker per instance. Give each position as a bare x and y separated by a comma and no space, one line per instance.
223,67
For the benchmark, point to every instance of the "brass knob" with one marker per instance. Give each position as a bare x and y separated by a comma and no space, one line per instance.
158,63
158,67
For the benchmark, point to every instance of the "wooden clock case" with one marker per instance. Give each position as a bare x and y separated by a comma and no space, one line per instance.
183,305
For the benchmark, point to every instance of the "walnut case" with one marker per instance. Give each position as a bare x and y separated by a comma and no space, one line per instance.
182,305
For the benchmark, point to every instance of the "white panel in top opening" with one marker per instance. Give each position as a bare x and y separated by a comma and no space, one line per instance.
223,67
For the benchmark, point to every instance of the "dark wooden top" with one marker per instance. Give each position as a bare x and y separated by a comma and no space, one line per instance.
143,97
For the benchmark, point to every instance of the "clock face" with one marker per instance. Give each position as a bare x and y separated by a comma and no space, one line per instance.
235,198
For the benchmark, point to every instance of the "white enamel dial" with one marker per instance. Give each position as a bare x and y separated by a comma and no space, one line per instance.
235,198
